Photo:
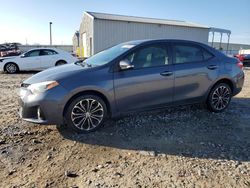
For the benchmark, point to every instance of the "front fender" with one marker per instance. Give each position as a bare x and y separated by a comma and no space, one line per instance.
91,89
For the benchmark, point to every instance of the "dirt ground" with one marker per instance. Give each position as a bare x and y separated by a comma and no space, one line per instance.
176,147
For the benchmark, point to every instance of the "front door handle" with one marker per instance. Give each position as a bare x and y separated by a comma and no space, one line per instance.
212,67
167,73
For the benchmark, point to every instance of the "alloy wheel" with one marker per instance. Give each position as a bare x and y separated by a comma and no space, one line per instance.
11,68
221,98
87,114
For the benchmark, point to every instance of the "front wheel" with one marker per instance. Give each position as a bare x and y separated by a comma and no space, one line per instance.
219,97
11,68
86,113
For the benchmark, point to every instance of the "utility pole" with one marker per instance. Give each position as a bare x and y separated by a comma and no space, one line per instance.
50,33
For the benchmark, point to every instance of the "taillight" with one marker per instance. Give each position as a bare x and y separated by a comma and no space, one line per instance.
240,65
241,57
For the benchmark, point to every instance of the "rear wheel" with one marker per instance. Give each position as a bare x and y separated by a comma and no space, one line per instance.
86,113
61,62
11,68
219,97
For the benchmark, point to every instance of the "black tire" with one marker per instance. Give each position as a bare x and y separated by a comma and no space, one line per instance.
61,62
219,97
11,68
90,118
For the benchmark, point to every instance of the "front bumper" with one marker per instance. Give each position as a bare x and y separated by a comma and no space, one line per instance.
44,108
32,115
1,66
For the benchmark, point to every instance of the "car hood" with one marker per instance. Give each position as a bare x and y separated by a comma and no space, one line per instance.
56,73
7,58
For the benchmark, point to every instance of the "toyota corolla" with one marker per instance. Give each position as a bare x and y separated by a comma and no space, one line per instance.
132,76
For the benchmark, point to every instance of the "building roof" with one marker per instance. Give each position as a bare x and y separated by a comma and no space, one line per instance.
105,16
219,30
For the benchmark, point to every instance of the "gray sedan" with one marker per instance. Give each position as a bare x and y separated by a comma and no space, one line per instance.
129,77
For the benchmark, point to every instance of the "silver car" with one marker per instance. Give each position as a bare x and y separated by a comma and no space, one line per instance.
132,76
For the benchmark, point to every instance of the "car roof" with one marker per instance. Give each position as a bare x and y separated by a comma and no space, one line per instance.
152,41
55,49
136,42
44,49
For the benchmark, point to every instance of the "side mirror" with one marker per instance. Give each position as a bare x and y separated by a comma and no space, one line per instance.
22,56
125,65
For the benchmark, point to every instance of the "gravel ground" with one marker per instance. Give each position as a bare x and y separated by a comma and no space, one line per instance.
176,147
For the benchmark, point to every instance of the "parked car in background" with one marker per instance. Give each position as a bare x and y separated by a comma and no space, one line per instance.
131,76
9,49
239,56
36,59
244,58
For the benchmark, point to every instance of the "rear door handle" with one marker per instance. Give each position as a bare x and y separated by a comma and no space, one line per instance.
212,67
167,73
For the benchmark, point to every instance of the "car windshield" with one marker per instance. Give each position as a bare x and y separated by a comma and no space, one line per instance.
108,55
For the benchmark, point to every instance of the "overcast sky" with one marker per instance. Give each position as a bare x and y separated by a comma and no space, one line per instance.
28,20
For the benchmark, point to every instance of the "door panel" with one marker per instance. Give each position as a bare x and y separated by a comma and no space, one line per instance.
31,60
142,88
149,84
192,74
48,58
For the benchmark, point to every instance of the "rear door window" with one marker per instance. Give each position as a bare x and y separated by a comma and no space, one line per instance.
47,52
187,53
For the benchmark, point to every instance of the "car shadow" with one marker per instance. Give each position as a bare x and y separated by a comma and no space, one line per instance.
27,72
189,131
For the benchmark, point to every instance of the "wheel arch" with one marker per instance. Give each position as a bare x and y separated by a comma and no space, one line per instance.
89,92
226,81
60,60
221,80
4,68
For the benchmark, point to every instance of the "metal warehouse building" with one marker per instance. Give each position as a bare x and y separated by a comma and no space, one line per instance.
99,31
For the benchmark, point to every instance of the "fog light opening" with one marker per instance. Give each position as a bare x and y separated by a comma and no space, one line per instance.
40,114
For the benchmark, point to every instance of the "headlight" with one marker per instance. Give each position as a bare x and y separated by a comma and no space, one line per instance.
42,86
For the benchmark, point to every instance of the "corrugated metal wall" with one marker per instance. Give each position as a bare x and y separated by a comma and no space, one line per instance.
86,27
108,33
75,43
